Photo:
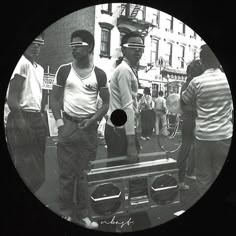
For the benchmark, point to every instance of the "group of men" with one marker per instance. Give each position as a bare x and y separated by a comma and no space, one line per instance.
74,104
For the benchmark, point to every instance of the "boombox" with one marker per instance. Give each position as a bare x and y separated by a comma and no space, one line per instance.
124,189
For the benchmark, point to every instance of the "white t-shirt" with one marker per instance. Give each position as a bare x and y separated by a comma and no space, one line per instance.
31,95
80,94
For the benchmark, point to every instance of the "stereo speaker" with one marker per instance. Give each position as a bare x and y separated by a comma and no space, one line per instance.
124,189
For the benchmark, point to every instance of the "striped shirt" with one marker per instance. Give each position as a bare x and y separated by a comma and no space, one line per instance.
212,96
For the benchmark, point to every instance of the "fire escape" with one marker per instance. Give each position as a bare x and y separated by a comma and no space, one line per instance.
130,20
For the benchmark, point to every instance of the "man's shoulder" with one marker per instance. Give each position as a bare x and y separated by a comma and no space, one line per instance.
62,73
101,76
99,70
64,69
23,61
123,69
64,66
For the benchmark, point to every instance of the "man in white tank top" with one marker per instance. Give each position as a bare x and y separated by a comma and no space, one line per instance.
75,92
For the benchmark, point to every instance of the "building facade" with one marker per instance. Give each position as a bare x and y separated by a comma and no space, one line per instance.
169,43
56,50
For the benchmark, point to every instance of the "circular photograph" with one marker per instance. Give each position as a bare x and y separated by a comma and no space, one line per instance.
118,117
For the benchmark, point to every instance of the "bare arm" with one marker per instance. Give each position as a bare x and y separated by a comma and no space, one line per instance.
13,100
15,88
56,99
105,96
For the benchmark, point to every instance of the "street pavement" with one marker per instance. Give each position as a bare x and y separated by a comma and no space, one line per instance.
48,193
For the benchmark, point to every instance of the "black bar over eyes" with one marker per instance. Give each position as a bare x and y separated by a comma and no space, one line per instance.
134,45
73,44
39,41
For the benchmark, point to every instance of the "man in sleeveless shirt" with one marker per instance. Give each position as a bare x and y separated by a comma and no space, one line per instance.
78,84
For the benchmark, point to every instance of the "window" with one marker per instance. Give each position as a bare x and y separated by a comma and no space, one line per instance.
182,55
154,50
169,53
105,39
156,18
194,35
107,9
170,24
182,28
105,42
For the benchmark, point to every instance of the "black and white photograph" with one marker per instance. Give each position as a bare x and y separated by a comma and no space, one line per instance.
118,117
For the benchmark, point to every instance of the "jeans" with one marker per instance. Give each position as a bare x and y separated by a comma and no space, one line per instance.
75,149
160,119
147,122
116,141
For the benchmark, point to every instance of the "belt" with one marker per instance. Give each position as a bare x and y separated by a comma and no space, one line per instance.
75,119
31,111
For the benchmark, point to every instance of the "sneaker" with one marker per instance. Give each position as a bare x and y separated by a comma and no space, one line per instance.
147,138
68,218
191,177
183,186
143,138
89,224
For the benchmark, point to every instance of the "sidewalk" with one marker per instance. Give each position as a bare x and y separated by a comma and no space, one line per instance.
49,191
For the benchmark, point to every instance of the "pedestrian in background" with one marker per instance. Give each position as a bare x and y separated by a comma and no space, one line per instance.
210,92
189,115
25,128
146,114
160,111
77,85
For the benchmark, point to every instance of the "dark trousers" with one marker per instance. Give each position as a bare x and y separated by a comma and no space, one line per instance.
187,141
27,147
147,122
210,157
75,149
116,141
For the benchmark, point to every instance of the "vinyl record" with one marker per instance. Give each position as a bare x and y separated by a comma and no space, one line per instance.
118,117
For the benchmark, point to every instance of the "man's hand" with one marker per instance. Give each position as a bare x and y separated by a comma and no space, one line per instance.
86,123
20,123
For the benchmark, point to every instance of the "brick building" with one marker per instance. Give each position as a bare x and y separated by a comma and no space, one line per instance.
56,50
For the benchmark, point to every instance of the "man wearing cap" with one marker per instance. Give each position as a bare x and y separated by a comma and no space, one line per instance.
25,129
76,89
121,140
